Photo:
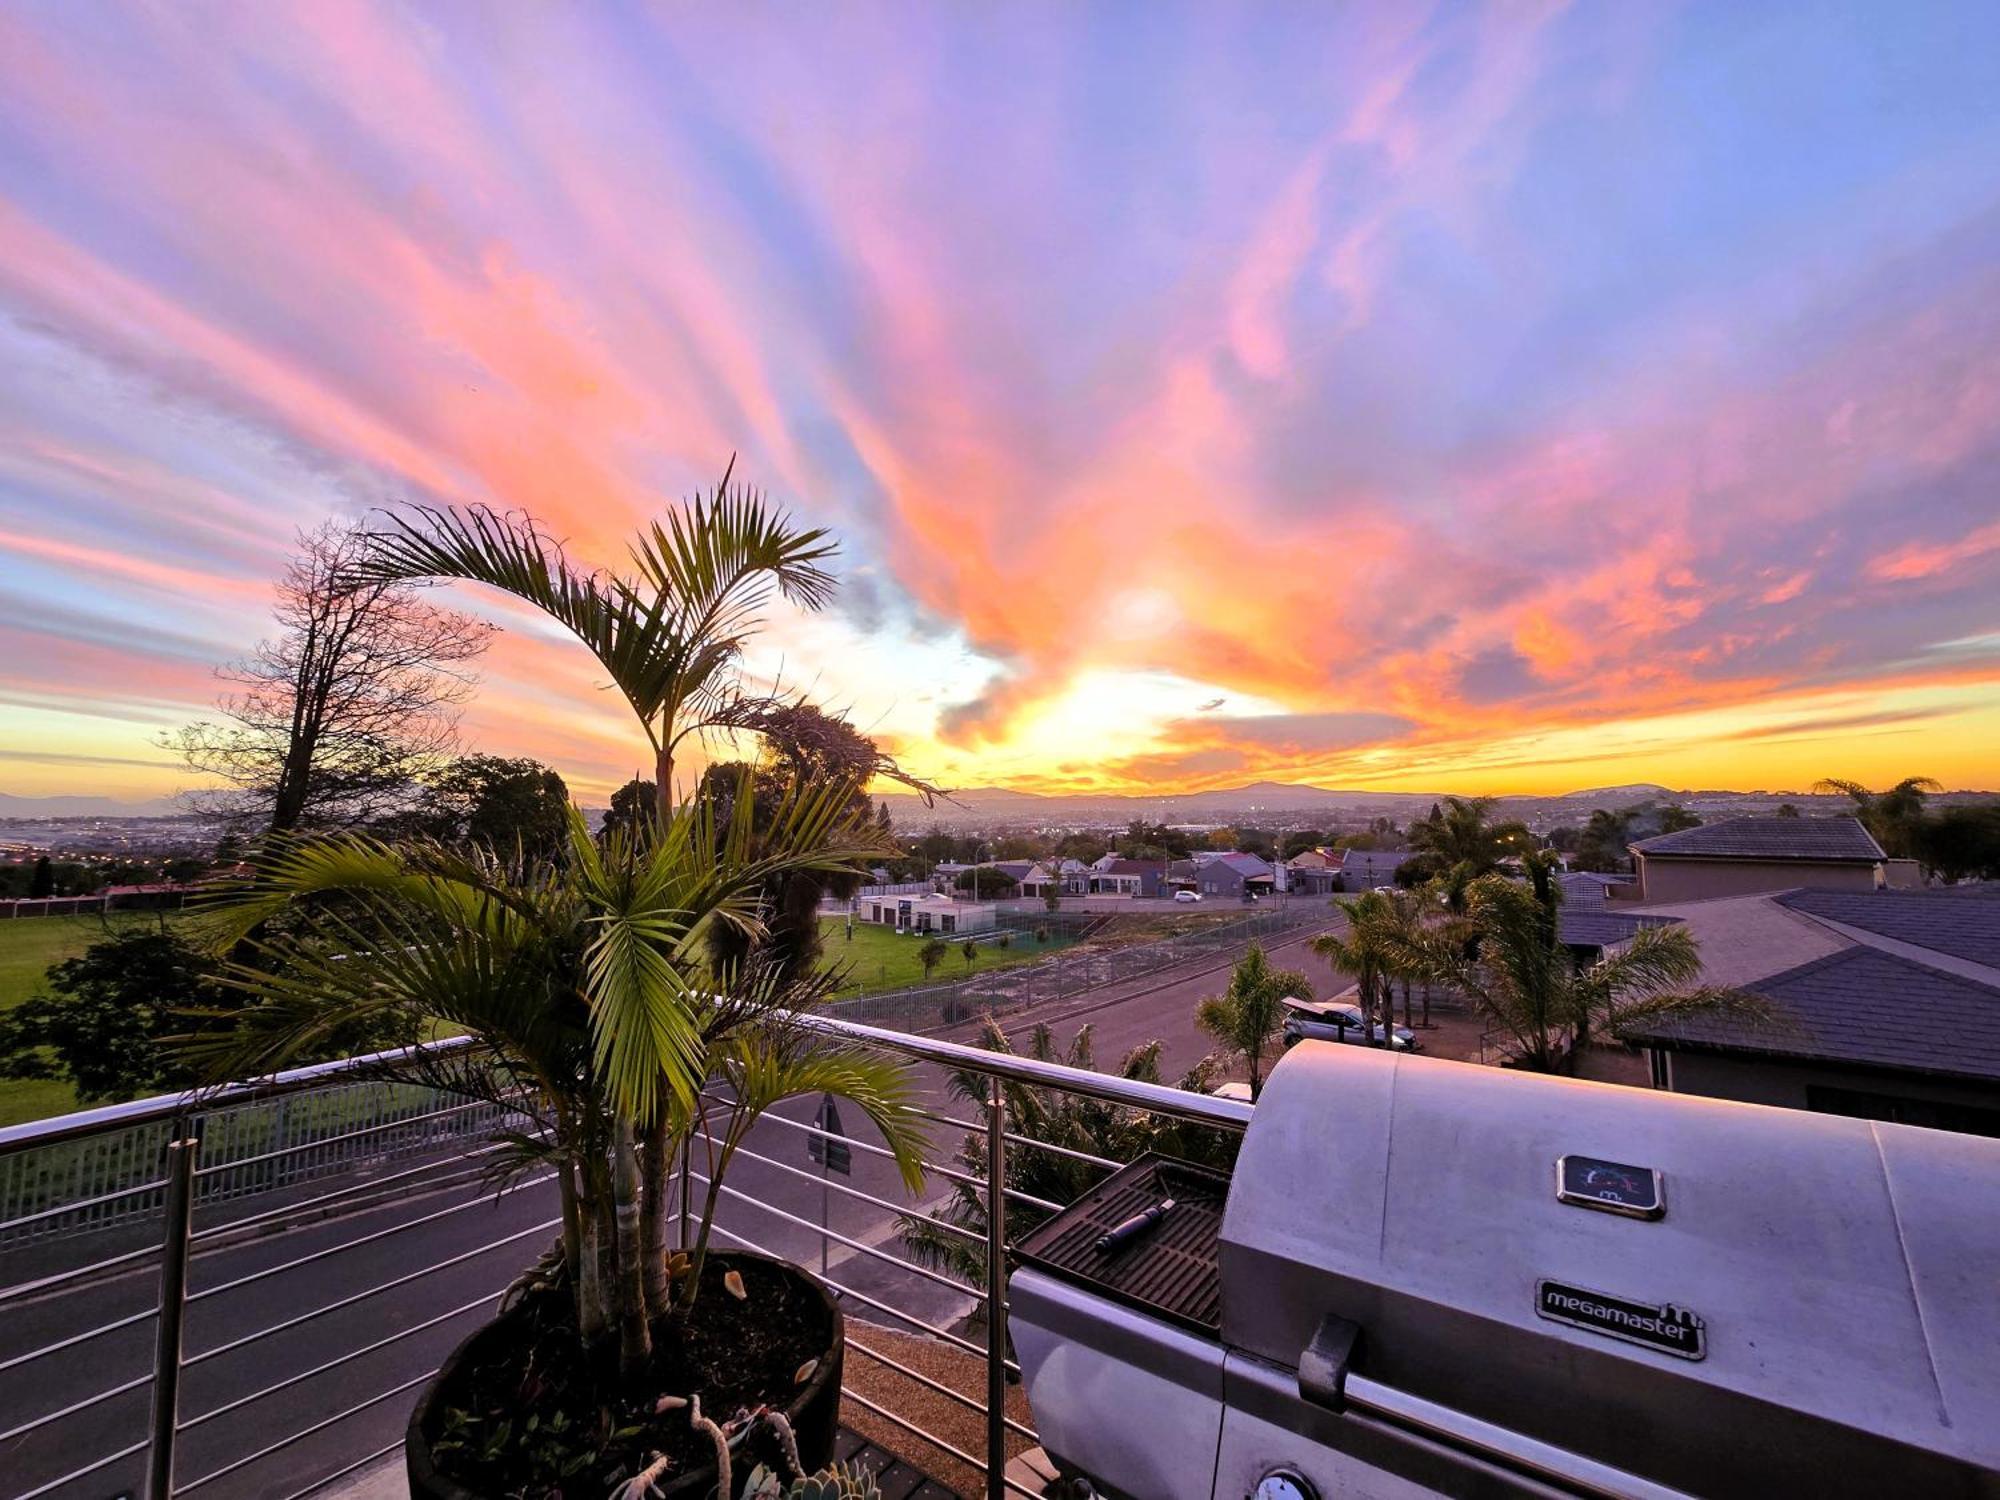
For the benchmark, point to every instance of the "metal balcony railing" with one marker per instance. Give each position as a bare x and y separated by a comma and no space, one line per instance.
266,1336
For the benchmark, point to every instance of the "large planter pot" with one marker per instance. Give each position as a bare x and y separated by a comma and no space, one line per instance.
813,1410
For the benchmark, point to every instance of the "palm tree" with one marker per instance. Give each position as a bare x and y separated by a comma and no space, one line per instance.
953,1237
1362,952
670,638
1522,980
1247,1017
1894,817
1456,835
592,1004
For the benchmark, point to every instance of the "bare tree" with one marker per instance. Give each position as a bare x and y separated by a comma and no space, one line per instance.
330,720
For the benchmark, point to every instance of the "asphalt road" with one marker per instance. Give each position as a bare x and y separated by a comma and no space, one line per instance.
339,1383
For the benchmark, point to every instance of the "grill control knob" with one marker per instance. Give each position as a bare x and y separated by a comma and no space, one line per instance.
1284,1484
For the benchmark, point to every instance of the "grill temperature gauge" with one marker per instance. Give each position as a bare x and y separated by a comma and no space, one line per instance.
1612,1187
1284,1484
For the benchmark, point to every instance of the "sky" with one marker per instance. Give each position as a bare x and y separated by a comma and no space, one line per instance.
1493,399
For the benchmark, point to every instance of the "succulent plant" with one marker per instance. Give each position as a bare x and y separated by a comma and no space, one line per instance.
835,1482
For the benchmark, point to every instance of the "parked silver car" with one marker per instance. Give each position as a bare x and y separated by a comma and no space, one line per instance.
1338,1021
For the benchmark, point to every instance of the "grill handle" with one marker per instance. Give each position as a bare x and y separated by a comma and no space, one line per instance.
1323,1363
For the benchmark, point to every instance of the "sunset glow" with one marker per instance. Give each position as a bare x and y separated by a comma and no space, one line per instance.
1509,399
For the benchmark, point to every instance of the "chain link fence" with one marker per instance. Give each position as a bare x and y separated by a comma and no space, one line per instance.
1025,987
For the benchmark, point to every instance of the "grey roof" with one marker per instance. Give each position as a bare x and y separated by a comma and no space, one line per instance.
1821,840
1859,1006
1965,926
1592,927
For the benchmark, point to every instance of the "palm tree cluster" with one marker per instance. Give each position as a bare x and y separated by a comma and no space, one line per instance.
952,1237
623,994
1382,926
1456,836
1504,954
1894,817
1248,1017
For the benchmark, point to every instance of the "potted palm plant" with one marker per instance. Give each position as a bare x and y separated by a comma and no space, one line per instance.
624,1001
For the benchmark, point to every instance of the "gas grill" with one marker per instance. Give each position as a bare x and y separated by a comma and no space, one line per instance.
1425,1278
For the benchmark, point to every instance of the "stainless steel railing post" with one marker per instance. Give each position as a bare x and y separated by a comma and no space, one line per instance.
175,1230
996,1290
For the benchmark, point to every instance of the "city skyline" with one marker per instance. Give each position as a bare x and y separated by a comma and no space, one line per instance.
1505,401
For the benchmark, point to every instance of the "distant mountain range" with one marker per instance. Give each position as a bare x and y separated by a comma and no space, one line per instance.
86,807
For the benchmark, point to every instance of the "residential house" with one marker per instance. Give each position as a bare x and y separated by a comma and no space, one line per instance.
1223,875
1314,872
1113,876
1587,888
1882,1004
1365,869
1739,856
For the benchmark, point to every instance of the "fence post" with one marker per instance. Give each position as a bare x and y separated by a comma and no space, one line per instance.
179,1211
996,1291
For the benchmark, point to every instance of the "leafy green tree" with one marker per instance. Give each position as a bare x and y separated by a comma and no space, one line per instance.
1962,843
952,1237
114,1022
44,882
987,884
1788,810
1300,840
1674,818
969,951
932,954
1601,847
507,806
1245,1019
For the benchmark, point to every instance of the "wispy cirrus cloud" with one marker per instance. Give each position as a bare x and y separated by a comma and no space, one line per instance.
1438,390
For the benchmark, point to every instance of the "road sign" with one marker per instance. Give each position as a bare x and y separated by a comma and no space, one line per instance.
833,1154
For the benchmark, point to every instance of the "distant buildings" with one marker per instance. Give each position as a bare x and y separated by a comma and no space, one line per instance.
935,914
1224,876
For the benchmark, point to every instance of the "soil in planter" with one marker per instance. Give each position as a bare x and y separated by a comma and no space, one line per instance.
538,1418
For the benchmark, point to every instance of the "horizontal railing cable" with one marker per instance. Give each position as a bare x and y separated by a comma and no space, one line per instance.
335,1363
366,1239
402,1123
74,1407
74,1273
374,1291
300,1436
142,1316
75,1474
341,1473
826,1181
939,1386
78,1205
840,1239
943,1334
367,1185
950,1174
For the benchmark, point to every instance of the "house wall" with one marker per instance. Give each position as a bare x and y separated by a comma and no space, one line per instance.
1701,879
1837,1090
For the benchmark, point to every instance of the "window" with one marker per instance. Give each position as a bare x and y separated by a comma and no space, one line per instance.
1899,1109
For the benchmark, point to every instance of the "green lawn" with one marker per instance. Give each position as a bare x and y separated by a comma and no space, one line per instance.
28,947
878,958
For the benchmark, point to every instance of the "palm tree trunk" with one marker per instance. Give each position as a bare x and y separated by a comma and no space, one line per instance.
656,1171
1406,1002
635,1342
656,1163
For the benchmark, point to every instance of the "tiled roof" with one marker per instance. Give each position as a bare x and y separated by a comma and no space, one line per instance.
1134,867
1593,927
1859,1006
1966,927
1823,840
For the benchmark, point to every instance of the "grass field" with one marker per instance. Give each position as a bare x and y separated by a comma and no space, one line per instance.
29,947
878,958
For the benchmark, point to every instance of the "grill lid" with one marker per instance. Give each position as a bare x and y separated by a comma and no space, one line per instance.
1168,1271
